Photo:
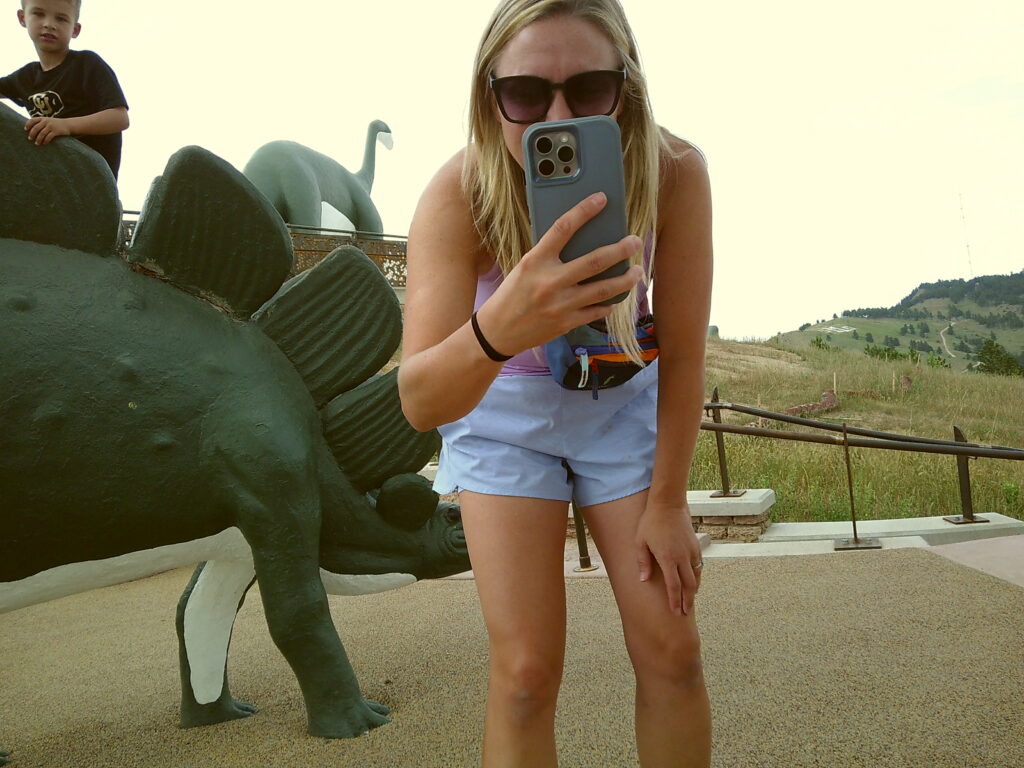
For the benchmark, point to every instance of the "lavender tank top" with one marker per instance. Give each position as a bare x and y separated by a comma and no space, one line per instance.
533,362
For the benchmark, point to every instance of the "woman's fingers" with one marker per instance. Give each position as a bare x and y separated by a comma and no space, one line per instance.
542,297
681,579
602,290
568,223
600,259
689,586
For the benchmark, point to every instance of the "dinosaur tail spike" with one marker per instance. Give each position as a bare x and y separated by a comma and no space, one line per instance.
338,323
61,193
370,436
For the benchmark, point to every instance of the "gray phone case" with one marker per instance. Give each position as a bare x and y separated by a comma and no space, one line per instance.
599,153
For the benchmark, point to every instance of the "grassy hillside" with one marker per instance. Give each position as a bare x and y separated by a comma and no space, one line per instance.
810,480
840,333
946,316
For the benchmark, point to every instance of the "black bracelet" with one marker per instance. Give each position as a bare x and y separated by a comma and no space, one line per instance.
490,351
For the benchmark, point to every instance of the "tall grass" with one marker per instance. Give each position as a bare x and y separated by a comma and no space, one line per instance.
810,479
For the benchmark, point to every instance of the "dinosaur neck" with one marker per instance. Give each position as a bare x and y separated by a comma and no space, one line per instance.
369,158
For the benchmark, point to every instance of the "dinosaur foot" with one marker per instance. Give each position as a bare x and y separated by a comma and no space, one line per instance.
220,711
353,720
4,757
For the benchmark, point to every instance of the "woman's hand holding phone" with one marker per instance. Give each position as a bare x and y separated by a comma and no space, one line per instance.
542,297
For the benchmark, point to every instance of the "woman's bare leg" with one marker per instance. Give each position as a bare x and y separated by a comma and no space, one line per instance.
517,548
673,714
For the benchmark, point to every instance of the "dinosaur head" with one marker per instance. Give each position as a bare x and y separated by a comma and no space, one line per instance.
407,529
383,133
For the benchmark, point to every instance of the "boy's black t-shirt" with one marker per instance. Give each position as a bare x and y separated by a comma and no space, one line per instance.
81,85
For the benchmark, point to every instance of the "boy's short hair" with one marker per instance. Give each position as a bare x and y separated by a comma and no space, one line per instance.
76,3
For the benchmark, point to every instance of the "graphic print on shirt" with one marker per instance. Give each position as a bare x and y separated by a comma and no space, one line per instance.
45,104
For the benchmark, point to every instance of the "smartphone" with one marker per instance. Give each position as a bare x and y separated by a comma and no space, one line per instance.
565,162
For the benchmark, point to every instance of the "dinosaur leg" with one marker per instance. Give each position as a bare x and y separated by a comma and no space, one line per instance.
206,615
302,198
368,219
286,555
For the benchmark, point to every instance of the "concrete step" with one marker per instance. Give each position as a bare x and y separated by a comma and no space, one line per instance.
806,547
934,530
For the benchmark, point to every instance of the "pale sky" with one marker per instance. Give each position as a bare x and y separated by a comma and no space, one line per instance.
841,138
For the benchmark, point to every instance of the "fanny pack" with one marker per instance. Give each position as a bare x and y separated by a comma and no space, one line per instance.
586,359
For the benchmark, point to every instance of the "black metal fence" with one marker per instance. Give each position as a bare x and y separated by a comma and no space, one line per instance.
864,438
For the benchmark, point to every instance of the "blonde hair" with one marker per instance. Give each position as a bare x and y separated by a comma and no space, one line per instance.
495,183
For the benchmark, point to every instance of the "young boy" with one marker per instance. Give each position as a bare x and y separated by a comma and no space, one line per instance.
68,93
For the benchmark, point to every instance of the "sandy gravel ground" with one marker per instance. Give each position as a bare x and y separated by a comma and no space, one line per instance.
890,658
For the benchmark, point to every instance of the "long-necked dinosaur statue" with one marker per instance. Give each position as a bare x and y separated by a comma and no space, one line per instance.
188,404
298,180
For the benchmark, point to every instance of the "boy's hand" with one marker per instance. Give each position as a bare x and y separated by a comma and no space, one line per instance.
43,130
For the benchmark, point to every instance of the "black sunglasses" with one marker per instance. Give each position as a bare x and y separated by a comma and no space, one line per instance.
527,99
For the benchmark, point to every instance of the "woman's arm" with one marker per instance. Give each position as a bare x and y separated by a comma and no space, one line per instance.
444,371
682,302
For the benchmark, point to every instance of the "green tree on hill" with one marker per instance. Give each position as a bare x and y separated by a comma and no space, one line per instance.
994,359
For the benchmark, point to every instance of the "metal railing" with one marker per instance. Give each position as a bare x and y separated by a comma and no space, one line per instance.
866,438
312,244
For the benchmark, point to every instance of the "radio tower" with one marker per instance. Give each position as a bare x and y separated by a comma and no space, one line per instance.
967,241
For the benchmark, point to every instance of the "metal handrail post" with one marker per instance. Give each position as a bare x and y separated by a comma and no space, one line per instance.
964,479
856,542
723,467
581,541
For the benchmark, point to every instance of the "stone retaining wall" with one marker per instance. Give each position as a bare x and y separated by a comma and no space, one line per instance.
743,528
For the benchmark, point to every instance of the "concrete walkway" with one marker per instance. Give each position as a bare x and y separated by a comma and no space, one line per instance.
1002,557
995,547
888,658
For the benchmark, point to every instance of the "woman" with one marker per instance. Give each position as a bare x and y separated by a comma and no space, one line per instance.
517,446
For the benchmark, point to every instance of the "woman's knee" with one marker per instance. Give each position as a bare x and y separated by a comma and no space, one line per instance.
528,681
670,658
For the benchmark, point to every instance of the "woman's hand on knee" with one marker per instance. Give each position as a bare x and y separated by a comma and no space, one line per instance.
666,539
542,297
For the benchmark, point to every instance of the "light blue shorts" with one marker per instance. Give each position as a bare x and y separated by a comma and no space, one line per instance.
514,442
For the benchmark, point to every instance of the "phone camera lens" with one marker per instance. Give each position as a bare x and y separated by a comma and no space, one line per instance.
546,167
565,154
544,145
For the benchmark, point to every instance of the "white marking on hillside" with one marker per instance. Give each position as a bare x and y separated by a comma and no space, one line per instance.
838,329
